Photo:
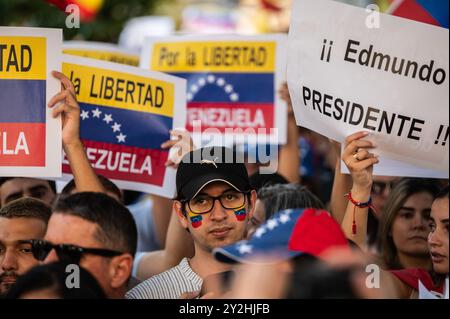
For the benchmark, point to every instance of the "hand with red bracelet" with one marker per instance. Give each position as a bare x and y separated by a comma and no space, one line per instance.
359,161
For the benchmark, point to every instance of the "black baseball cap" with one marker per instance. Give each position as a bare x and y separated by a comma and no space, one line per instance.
201,167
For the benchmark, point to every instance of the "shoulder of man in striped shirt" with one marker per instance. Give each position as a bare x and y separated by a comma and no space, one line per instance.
170,284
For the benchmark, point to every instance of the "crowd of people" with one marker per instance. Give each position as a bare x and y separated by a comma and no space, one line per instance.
230,232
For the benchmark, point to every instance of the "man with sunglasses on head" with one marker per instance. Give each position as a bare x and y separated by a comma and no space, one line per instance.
20,221
96,232
214,204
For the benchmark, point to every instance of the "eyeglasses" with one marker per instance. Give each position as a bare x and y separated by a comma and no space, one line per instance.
380,187
203,204
65,252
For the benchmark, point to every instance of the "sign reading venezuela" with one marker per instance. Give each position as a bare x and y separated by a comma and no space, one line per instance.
30,139
101,51
232,81
126,114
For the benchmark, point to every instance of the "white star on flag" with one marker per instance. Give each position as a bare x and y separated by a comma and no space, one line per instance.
96,113
202,82
116,127
245,249
271,224
211,78
234,97
194,88
121,138
221,82
229,88
108,118
259,232
84,115
284,218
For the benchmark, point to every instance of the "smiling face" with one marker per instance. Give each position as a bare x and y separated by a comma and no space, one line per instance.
438,237
410,227
220,226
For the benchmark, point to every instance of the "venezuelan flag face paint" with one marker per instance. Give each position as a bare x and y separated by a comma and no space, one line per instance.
196,220
240,213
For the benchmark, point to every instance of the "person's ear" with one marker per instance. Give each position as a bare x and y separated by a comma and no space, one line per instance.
178,209
121,269
252,204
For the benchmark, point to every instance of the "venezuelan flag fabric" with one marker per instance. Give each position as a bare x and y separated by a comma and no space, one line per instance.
435,12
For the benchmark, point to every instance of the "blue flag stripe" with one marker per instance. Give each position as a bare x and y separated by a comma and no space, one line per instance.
438,9
249,87
22,101
143,130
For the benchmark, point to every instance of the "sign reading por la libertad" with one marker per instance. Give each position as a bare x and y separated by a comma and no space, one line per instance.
232,82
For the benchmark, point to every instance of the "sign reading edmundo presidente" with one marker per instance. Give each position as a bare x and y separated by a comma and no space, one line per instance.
30,138
233,82
392,80
126,114
101,51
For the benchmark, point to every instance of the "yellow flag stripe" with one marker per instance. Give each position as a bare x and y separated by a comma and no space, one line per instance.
23,58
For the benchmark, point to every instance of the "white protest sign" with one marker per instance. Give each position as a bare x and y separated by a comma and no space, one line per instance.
126,114
391,81
102,51
233,83
30,138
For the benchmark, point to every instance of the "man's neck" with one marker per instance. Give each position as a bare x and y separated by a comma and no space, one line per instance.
204,264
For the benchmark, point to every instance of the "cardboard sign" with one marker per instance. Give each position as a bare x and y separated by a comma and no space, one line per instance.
102,51
347,75
30,139
233,83
126,114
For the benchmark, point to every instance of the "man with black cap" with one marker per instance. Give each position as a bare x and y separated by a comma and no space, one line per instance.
214,203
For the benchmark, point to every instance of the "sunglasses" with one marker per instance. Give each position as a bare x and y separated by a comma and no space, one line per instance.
65,252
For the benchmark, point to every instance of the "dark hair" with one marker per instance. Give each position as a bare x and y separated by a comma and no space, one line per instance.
286,196
258,180
53,277
402,190
116,226
313,279
442,193
106,183
224,280
52,184
27,207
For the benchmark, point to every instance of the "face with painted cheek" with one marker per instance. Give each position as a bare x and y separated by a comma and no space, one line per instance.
221,226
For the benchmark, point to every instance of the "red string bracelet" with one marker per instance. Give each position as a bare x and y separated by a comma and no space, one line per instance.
367,204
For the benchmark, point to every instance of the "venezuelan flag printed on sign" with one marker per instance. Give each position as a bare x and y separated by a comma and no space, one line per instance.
22,101
124,120
435,12
231,82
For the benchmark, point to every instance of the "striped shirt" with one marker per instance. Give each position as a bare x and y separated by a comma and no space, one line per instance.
168,285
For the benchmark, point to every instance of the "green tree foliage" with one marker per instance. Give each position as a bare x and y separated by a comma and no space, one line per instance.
106,27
